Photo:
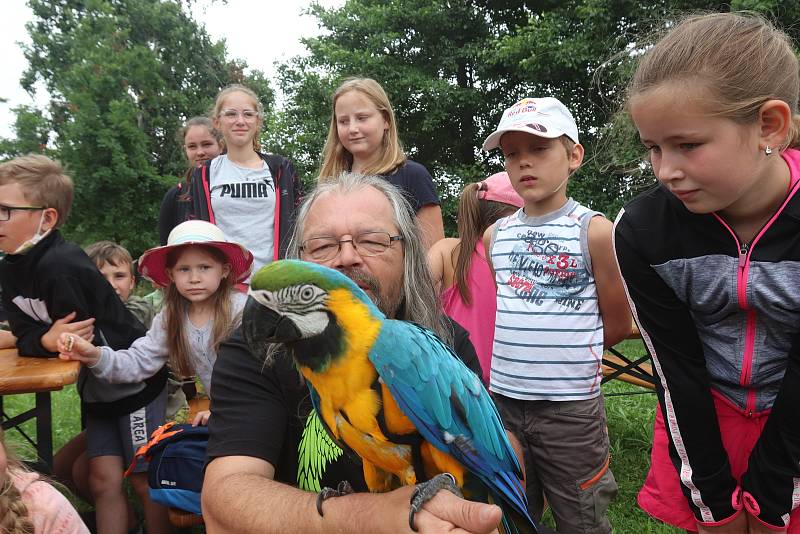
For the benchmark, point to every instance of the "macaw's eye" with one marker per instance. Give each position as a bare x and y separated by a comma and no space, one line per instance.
306,294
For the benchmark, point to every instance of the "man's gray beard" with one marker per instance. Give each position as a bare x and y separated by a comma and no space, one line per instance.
388,305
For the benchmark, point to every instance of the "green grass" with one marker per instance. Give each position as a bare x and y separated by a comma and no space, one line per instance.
66,419
630,428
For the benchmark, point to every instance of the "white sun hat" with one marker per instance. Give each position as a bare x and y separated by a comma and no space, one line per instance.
153,263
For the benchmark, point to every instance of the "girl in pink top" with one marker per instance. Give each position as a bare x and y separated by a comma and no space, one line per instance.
469,294
30,505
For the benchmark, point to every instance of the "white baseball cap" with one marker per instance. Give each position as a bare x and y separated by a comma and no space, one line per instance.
545,117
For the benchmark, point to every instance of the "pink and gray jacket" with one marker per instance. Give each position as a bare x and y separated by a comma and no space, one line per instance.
720,314
179,205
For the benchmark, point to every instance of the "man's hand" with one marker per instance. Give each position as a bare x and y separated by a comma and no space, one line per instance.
83,329
445,513
72,347
461,515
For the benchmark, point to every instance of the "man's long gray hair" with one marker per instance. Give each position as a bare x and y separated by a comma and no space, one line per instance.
420,302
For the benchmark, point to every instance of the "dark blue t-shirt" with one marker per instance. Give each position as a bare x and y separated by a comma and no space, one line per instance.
416,183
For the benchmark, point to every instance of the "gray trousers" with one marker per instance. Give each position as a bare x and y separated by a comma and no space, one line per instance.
566,459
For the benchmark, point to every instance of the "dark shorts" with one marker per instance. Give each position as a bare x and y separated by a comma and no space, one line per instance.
566,459
122,436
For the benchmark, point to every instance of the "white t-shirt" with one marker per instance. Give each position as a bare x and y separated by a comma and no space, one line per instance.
243,201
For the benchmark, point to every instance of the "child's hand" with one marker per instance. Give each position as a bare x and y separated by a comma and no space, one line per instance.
84,329
7,340
201,418
72,347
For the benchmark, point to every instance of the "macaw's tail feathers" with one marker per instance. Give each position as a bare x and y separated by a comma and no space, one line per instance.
514,522
509,494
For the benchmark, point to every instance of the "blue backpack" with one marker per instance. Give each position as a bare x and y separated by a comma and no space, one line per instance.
177,455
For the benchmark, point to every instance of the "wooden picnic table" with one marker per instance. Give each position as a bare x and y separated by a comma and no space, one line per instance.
638,372
20,374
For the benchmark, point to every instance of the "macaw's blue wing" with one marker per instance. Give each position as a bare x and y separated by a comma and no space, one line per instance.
452,411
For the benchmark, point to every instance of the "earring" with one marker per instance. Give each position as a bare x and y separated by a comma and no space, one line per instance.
768,150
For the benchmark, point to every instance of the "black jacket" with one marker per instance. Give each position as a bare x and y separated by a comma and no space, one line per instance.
55,278
288,193
719,314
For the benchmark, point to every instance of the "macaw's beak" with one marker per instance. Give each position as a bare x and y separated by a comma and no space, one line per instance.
262,326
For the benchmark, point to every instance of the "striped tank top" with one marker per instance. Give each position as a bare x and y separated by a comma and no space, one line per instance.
548,341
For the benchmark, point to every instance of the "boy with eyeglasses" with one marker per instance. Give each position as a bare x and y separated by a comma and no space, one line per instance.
47,282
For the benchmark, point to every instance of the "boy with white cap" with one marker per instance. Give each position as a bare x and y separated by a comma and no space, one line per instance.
559,302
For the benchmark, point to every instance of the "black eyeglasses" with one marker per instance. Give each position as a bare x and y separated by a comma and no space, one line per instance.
366,244
5,211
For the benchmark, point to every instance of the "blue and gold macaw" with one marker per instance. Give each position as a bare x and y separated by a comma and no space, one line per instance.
391,391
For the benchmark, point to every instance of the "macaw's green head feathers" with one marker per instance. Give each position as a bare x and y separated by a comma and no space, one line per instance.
288,304
287,273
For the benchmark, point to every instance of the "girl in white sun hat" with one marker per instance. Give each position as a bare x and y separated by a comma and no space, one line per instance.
198,268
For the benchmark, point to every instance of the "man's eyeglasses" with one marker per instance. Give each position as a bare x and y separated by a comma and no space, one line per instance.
5,211
249,115
366,244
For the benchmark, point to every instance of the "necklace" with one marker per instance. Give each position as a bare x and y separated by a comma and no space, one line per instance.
245,173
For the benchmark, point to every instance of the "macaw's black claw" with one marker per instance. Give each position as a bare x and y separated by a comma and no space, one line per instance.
344,488
426,491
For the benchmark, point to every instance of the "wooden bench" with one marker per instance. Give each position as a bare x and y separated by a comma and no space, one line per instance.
19,375
178,517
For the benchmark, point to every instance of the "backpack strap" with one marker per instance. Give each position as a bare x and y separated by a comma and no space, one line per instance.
158,435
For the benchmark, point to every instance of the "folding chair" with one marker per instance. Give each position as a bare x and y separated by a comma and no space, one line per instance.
637,372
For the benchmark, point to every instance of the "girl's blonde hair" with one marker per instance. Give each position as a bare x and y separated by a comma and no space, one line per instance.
336,159
475,215
13,512
176,307
740,58
238,88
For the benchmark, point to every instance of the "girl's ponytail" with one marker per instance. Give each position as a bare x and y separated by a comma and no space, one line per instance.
469,232
481,205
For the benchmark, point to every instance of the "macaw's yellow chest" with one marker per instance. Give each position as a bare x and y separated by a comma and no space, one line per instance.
350,406
344,386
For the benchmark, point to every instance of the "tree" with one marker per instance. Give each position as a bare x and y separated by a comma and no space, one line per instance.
584,53
122,76
32,133
424,53
450,68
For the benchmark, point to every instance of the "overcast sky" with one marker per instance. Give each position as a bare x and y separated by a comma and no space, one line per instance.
257,31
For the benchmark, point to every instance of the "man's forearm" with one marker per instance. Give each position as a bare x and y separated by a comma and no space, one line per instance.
250,503
245,503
